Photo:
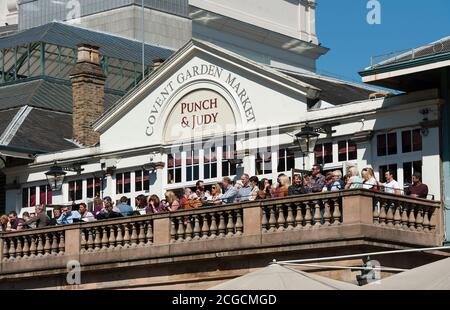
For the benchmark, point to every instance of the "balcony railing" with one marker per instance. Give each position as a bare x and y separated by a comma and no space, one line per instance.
307,219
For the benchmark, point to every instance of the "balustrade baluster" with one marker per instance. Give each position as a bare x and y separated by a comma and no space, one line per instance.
213,228
5,249
264,220
47,245
390,214
382,213
173,231
98,240
141,236
12,249
299,217
272,219
149,234
40,247
181,229
405,216
308,216
419,220
55,244
230,224
281,222
62,243
336,212
327,213
126,236
196,227
412,218
26,246
119,238
397,217
90,242
188,229
221,225
376,212
112,237
317,214
205,227
33,246
19,248
290,218
83,240
239,224
432,219
426,221
133,235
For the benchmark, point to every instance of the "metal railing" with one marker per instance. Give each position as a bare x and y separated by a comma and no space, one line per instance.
436,48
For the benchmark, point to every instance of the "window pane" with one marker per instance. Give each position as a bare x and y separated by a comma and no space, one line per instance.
90,188
206,173
406,141
328,152
381,145
127,182
119,183
382,171
79,190
146,180
225,168
392,143
178,175
49,195
417,166
407,173
188,173
290,160
42,194
138,180
25,197
72,191
417,140
32,196
214,170
281,161
342,150
352,150
393,169
318,154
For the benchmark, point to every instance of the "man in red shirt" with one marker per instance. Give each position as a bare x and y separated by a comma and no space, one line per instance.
417,189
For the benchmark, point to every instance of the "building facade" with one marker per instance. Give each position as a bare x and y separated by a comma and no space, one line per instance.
206,105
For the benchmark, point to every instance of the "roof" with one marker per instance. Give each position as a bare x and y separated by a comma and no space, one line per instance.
438,47
46,93
434,276
277,277
36,129
334,91
66,35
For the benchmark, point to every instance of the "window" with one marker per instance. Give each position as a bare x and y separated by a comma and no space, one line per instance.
93,187
210,163
192,166
286,160
323,153
45,195
387,144
29,197
123,182
142,180
228,152
383,169
75,190
263,163
409,169
411,141
347,150
174,168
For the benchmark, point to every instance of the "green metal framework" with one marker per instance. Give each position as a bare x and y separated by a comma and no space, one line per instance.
42,59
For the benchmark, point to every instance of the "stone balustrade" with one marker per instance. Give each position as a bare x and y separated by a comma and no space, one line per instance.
331,217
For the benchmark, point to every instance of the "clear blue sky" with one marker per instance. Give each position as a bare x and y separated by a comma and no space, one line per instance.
342,27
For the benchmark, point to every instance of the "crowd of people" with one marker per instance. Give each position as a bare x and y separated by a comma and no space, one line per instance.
247,189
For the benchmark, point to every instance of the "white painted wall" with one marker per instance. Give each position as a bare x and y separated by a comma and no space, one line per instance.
8,12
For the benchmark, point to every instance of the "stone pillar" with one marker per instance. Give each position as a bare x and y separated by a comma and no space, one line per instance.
73,241
161,228
88,91
252,220
357,209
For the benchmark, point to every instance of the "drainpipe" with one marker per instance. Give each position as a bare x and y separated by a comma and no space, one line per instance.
445,150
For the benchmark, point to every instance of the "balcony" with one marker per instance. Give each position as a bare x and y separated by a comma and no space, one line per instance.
212,244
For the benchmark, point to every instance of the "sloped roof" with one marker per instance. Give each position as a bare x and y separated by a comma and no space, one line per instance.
277,277
45,93
333,90
63,34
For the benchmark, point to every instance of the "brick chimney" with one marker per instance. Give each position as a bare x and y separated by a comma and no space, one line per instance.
88,91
